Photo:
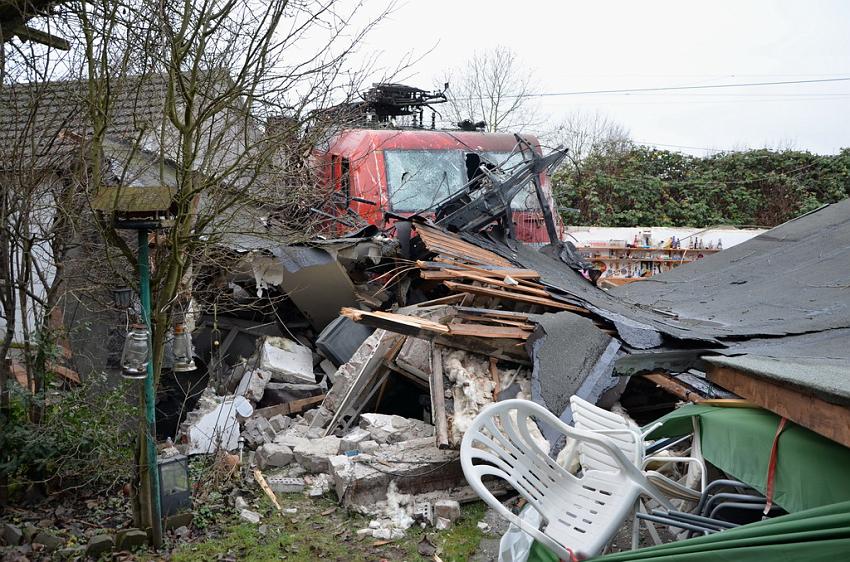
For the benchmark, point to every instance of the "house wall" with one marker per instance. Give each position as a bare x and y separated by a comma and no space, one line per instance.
41,219
584,235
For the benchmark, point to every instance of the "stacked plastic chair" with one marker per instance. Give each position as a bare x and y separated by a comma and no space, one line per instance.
580,513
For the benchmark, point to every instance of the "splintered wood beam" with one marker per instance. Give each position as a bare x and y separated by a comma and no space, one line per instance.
824,418
487,331
439,271
450,299
428,329
438,398
287,408
504,321
522,278
509,295
674,387
494,373
261,480
399,323
540,292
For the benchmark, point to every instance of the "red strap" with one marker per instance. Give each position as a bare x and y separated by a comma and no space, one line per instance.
572,555
771,467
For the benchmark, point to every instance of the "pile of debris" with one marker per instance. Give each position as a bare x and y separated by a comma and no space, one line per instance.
366,377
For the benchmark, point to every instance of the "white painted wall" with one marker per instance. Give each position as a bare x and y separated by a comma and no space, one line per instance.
584,235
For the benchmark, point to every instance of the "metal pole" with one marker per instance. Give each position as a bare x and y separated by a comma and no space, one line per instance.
150,398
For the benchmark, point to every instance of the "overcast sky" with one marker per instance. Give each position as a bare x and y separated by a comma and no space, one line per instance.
592,45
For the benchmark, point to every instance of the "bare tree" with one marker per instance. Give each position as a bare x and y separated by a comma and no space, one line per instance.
180,96
217,66
587,135
587,132
492,86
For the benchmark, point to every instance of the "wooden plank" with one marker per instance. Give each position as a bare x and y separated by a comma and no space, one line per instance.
438,398
487,331
497,282
450,299
824,418
509,350
494,373
410,373
442,242
261,480
674,387
438,267
398,323
551,303
503,321
481,270
509,314
298,406
287,408
421,327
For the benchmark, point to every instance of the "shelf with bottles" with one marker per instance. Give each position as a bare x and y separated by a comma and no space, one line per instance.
648,249
640,259
657,255
645,256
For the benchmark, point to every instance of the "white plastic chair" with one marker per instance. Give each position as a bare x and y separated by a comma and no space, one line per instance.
580,514
631,442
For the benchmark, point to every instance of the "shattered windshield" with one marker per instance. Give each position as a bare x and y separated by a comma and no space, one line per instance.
525,200
418,179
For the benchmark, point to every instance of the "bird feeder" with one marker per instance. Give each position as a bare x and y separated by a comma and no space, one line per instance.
136,353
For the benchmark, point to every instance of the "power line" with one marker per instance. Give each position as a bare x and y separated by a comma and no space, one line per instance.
664,88
647,143
635,101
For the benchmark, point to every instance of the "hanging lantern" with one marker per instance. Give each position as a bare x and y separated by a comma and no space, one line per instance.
136,354
182,350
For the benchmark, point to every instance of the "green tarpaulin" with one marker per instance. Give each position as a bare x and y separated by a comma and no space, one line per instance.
811,482
811,471
820,534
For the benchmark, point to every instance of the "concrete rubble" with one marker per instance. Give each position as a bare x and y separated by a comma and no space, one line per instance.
250,516
253,384
287,361
257,431
393,429
213,425
417,466
378,424
314,454
273,455
286,484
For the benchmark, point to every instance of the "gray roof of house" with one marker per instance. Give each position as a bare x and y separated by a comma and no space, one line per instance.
818,362
44,122
792,279
36,118
776,306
